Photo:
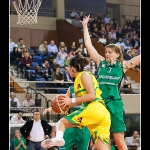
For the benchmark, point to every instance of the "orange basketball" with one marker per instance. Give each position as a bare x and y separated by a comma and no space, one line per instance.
55,104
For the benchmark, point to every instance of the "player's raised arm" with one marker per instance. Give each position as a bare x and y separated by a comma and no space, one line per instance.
87,40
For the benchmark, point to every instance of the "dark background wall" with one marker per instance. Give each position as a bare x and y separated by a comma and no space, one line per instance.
86,5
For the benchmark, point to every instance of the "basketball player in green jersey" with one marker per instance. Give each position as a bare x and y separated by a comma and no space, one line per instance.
110,74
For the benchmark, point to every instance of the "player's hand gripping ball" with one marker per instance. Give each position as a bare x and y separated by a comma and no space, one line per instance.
56,107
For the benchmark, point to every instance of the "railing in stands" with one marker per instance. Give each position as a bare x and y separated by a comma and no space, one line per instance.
32,91
45,103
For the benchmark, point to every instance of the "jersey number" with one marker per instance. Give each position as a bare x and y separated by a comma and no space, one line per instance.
110,69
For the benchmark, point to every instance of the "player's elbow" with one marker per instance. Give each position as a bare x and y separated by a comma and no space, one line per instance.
92,97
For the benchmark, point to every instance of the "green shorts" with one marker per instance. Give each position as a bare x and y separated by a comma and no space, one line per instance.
77,136
116,109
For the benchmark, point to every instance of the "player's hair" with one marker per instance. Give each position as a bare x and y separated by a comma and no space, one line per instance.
78,62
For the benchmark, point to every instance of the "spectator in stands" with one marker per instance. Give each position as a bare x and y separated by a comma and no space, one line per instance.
135,22
35,131
106,19
19,143
119,34
109,40
28,101
82,16
127,44
113,36
67,78
122,48
13,98
82,49
72,53
62,44
16,55
11,45
60,61
66,61
20,44
125,30
73,13
25,50
43,48
107,28
137,29
129,24
115,22
54,65
76,22
26,63
46,70
58,76
127,37
73,47
136,138
135,42
99,16
95,33
52,48
120,42
116,29
103,31
94,21
92,27
63,53
102,40
111,24
91,66
17,119
128,55
92,18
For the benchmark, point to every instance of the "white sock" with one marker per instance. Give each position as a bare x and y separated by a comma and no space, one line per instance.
59,134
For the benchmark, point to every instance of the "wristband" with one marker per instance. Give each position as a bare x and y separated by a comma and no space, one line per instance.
73,100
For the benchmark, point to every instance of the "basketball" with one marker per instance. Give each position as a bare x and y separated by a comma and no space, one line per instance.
55,104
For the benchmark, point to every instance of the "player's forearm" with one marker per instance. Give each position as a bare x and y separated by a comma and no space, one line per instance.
87,39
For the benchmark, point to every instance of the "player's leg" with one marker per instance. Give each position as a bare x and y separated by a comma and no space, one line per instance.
69,137
82,138
60,129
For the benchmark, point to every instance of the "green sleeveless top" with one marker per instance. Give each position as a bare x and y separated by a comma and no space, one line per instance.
109,78
72,95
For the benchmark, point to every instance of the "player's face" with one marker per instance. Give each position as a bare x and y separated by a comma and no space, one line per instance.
110,54
72,71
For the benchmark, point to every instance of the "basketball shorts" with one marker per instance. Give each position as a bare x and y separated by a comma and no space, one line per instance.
76,136
95,117
116,109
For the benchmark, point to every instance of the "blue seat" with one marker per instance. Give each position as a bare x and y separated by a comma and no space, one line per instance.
40,84
30,50
37,59
34,64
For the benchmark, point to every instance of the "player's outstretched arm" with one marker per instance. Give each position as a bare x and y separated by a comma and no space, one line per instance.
87,40
131,63
47,110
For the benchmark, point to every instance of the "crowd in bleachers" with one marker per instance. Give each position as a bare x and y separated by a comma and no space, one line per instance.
50,61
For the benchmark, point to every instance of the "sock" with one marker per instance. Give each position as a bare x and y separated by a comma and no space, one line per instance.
59,134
